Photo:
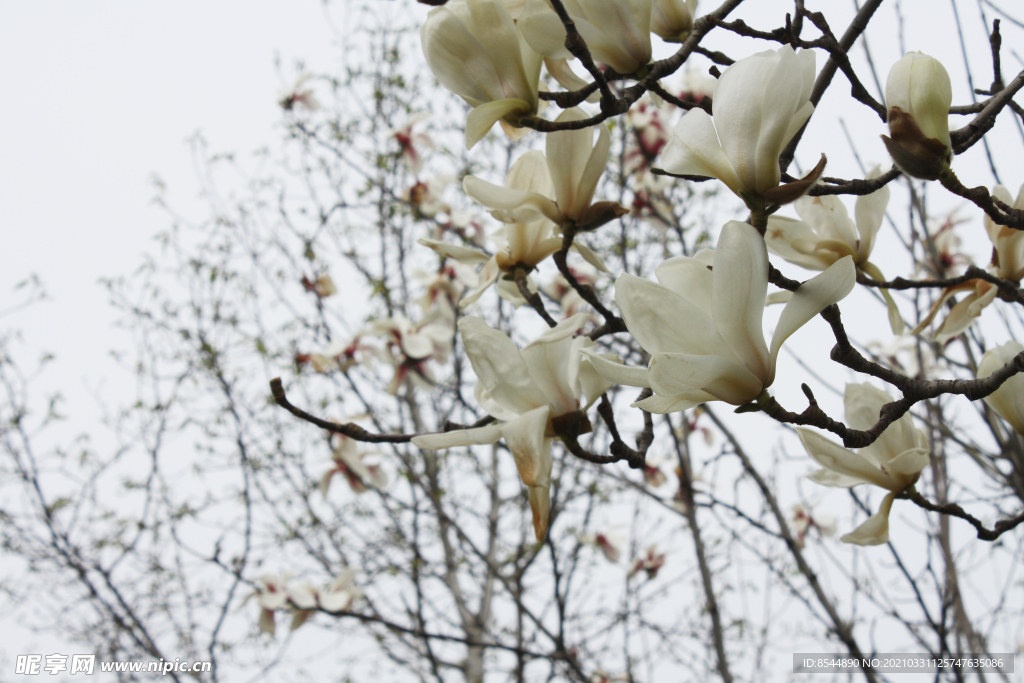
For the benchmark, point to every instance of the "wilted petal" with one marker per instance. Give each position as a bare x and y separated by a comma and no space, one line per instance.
808,301
875,531
525,438
540,506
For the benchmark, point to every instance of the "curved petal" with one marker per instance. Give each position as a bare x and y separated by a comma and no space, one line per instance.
589,255
689,277
809,300
739,288
543,30
660,405
567,153
829,218
480,120
795,241
1008,399
617,373
963,314
592,383
596,164
694,149
456,57
499,365
875,531
869,212
682,375
487,276
454,251
458,438
551,363
567,78
540,505
525,438
829,478
515,206
781,103
834,457
662,321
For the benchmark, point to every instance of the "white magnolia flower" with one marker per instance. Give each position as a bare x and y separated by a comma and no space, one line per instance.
527,240
702,325
412,143
917,95
335,597
272,594
894,461
1008,399
1007,243
297,95
672,20
802,521
477,51
825,234
759,104
525,390
617,32
571,167
411,345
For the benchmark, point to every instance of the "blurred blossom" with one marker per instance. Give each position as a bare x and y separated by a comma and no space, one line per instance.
272,594
559,289
412,143
894,461
609,544
297,95
411,345
360,472
907,355
1008,399
339,356
918,95
650,562
425,197
802,521
1007,243
617,34
650,123
323,286
672,20
697,84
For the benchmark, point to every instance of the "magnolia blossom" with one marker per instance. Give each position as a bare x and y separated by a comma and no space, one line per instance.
304,599
617,33
523,243
565,294
894,461
339,356
272,594
672,20
411,345
323,286
352,464
650,562
650,121
569,171
759,104
297,95
526,390
826,234
477,51
1008,399
1007,243
411,142
802,521
609,544
702,325
918,94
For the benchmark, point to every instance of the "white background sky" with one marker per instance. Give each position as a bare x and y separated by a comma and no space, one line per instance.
101,95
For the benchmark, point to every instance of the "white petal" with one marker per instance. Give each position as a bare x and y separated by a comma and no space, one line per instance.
660,405
589,255
661,321
870,211
515,206
739,287
682,375
617,373
829,478
689,277
543,30
840,460
875,531
794,241
694,149
499,365
596,164
592,383
454,251
1008,399
480,120
458,438
549,364
567,153
828,216
808,301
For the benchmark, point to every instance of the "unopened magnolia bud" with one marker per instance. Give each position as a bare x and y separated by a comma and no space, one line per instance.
672,20
918,94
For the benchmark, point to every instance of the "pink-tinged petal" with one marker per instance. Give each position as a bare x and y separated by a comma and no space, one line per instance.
499,365
739,288
808,301
540,506
525,438
514,205
617,373
870,212
834,457
660,405
694,149
480,120
455,252
458,438
661,321
689,277
875,531
682,375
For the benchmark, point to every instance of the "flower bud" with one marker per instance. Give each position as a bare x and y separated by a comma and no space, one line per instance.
1008,399
672,20
918,94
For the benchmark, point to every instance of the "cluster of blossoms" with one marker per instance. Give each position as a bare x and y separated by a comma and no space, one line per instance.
701,323
302,600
